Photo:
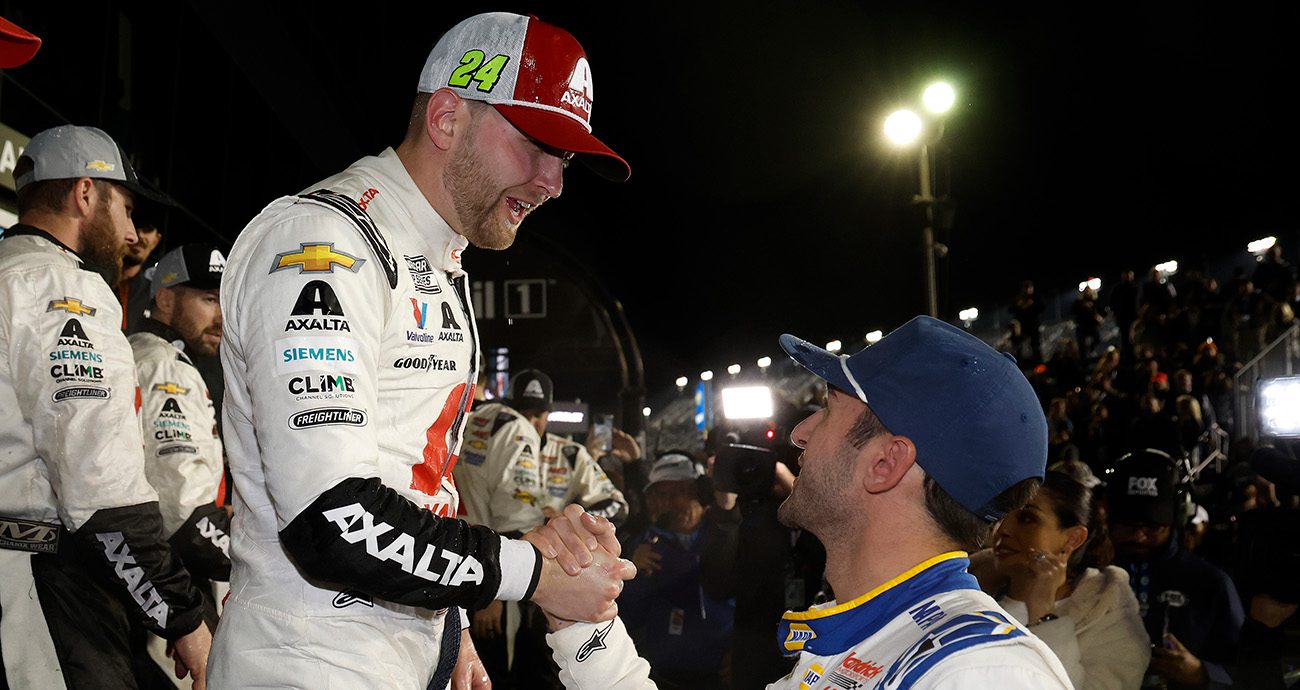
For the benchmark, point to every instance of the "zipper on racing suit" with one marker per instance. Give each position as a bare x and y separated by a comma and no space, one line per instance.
467,393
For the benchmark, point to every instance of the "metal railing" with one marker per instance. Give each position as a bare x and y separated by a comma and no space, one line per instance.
1278,358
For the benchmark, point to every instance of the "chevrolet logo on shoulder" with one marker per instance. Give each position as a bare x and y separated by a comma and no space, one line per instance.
320,257
170,388
72,305
101,166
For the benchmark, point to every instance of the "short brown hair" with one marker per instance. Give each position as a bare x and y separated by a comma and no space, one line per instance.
47,195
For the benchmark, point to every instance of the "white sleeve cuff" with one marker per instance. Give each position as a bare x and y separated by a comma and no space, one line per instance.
518,563
464,618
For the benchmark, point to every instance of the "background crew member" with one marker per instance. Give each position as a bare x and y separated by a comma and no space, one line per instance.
81,526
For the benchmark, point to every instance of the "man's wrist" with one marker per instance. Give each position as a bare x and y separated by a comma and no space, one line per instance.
520,570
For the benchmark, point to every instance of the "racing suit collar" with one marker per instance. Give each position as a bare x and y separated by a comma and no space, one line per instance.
162,330
19,229
834,628
449,243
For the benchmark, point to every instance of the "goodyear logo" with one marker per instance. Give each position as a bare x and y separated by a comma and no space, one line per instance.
101,166
72,305
170,388
800,635
316,257
810,678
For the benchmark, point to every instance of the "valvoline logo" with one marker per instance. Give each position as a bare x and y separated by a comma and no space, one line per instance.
421,312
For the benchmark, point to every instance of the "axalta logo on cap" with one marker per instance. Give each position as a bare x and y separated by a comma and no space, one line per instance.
581,89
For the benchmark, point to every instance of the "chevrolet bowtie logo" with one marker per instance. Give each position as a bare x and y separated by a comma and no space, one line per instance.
170,388
100,166
316,258
72,305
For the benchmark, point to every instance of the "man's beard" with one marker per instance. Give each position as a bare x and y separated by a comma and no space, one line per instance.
818,496
102,248
472,193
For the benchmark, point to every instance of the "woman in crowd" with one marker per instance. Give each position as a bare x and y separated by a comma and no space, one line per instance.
1049,568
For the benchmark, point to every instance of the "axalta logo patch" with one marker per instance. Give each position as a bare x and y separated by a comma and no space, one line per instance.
316,257
132,575
357,525
798,636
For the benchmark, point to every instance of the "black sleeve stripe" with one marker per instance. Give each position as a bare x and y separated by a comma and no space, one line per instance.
360,534
369,231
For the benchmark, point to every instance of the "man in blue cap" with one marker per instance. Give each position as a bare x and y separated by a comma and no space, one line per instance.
925,441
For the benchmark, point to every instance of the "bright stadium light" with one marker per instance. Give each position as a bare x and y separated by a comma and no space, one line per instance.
1167,268
682,381
968,316
733,369
747,402
1279,406
706,375
764,362
903,127
645,412
1094,283
1258,247
834,346
874,337
939,97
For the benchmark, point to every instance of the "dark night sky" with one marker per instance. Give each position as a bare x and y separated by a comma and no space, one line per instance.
762,199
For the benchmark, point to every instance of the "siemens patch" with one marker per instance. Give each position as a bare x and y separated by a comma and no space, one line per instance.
304,353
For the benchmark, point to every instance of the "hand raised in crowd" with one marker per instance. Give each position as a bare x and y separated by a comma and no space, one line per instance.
190,652
1039,579
486,622
646,559
624,447
469,673
1175,664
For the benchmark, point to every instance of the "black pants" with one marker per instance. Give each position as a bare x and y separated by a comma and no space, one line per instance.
89,627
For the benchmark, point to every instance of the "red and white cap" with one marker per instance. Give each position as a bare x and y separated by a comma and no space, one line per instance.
535,74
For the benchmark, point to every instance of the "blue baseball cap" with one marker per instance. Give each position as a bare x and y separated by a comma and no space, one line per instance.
977,425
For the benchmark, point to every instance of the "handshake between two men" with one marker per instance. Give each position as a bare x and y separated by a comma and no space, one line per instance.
582,573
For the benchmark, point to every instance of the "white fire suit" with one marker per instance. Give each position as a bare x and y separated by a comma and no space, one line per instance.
71,462
929,628
349,351
509,475
182,450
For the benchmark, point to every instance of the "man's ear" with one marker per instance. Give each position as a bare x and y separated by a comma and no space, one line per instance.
888,464
440,117
164,303
83,197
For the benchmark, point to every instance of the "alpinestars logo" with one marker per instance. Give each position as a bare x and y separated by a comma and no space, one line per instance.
132,575
594,644
349,597
356,524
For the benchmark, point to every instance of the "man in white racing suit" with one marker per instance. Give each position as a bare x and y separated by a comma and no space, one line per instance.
926,440
183,454
80,545
349,349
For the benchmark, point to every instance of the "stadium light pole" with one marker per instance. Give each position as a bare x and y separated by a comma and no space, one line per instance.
903,128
